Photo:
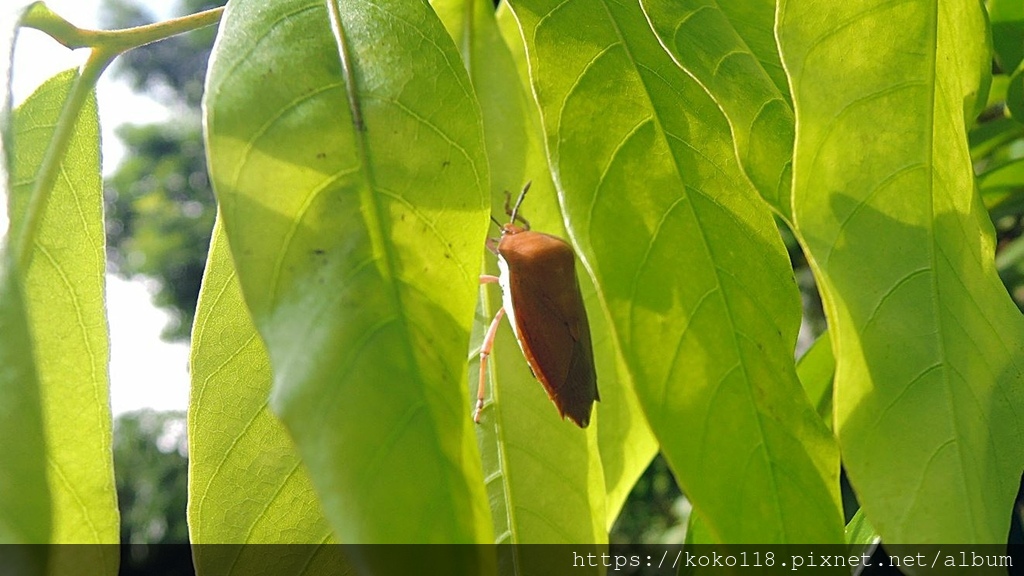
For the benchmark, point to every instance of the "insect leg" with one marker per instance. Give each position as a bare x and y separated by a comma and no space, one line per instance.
485,351
488,279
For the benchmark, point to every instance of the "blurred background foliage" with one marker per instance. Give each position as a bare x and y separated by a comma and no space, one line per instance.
160,211
151,469
150,447
159,215
159,204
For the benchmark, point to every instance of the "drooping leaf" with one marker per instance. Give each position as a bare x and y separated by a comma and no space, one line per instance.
347,153
928,345
234,439
63,289
690,265
471,24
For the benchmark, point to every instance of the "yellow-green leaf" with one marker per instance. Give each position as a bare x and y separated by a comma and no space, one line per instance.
234,439
347,153
63,289
687,258
929,347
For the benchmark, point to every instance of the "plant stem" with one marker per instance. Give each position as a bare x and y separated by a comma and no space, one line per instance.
43,19
106,45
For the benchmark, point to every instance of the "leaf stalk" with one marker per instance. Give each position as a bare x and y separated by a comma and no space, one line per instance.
106,45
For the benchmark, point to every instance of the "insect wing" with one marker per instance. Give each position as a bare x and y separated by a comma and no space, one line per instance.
550,319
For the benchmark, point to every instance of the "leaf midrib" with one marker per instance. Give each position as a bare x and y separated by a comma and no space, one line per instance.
934,248
375,229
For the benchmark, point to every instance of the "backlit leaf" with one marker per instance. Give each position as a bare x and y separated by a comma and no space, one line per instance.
928,345
347,155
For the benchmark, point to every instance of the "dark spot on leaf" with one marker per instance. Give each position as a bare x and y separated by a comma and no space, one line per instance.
445,164
321,155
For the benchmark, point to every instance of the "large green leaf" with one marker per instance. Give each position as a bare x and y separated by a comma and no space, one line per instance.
63,290
928,345
233,439
710,43
691,268
543,475
347,153
25,508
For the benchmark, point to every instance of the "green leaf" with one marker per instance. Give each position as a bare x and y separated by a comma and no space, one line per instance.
928,345
1002,188
503,103
233,439
347,153
1010,263
24,496
1015,95
540,471
690,266
704,39
25,507
543,475
860,531
1007,20
816,369
987,138
624,439
697,532
63,290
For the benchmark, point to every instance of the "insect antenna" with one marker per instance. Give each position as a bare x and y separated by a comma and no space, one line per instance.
514,214
496,223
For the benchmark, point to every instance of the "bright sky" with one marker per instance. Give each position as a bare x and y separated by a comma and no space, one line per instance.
145,372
